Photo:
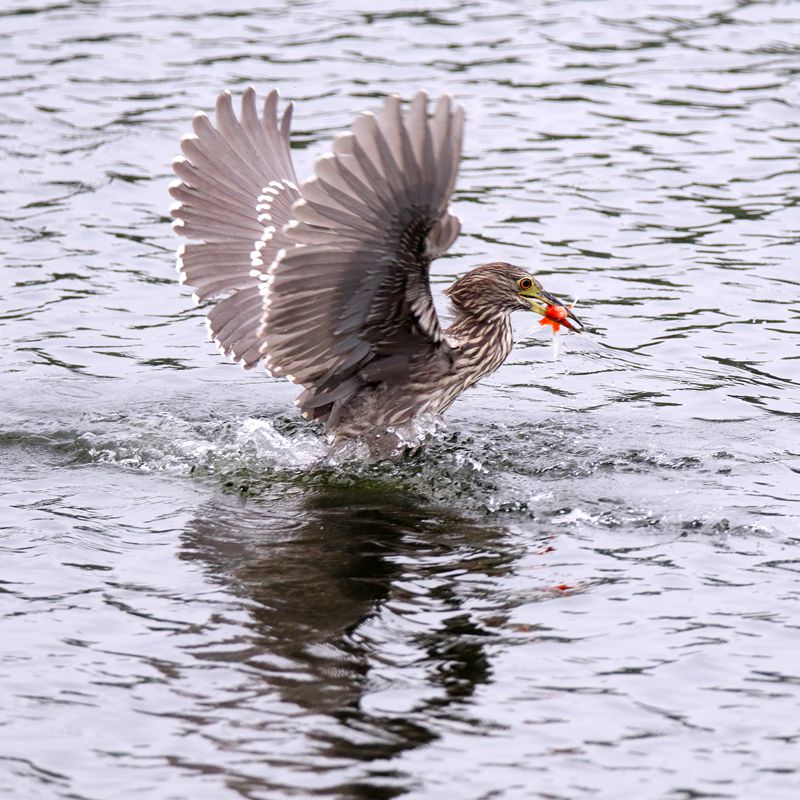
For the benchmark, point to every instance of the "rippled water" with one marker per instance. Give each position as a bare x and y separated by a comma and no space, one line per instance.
586,585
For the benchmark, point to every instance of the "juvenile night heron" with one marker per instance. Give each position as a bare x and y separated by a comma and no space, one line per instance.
328,281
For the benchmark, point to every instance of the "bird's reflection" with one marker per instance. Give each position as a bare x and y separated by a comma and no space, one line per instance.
319,568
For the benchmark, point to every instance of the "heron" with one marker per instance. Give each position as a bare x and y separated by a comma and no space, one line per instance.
327,282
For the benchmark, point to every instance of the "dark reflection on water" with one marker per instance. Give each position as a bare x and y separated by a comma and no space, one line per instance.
585,586
315,573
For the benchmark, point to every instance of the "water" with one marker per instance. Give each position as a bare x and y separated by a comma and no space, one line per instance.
586,585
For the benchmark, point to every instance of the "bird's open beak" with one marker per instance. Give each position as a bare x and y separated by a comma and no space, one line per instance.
541,302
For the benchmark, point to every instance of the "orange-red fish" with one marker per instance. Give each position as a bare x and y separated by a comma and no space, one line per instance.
556,316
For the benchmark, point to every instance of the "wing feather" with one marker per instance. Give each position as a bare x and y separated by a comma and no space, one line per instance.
193,178
350,305
234,196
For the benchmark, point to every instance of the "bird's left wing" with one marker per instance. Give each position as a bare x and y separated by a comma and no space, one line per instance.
351,303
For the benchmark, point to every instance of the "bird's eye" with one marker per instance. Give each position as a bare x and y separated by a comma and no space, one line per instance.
524,283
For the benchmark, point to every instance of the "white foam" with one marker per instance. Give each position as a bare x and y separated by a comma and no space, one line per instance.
277,449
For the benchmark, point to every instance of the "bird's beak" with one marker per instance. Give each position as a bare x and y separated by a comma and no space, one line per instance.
542,301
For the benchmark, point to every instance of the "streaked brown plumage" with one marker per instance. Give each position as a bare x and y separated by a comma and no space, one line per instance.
329,282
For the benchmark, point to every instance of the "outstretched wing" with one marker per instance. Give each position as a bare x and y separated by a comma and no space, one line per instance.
235,193
352,304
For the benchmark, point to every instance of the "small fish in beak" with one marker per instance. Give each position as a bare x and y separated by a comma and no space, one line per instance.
557,314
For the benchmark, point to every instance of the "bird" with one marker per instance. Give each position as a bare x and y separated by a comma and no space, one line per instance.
327,282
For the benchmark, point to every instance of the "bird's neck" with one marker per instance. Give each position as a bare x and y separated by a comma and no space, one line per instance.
482,340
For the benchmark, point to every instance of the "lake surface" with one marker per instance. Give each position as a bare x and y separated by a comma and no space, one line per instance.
586,585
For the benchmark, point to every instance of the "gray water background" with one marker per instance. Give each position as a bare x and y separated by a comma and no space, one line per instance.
586,586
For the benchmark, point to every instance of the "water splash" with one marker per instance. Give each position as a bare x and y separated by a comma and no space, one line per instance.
495,468
261,439
164,442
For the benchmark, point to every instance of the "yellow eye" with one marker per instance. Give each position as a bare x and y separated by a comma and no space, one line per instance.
524,283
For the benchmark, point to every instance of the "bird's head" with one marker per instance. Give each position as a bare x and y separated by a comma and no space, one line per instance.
500,288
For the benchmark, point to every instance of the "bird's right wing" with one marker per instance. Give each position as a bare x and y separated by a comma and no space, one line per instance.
351,304
236,188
